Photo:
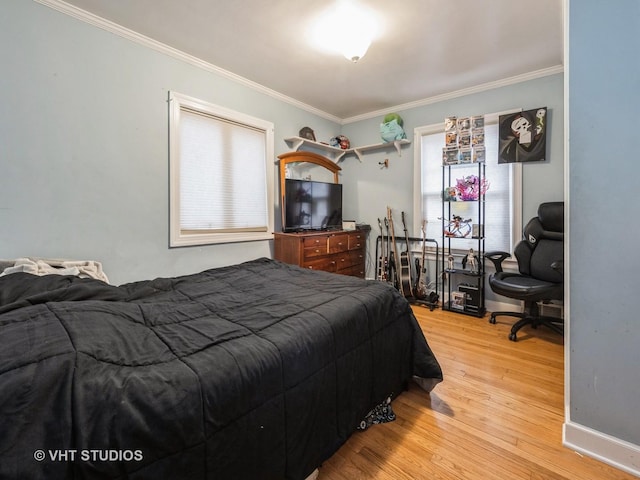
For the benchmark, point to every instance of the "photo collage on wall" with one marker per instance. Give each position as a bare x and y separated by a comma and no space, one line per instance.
464,140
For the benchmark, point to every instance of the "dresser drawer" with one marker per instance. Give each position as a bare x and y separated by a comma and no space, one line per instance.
342,261
354,271
327,264
340,252
338,243
312,252
318,242
349,259
356,257
356,241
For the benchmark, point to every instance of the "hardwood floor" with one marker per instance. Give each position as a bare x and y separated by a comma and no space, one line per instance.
497,416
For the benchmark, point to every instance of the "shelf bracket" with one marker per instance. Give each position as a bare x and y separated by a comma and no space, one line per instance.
398,145
296,143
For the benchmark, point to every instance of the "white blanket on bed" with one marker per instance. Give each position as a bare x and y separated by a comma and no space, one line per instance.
43,266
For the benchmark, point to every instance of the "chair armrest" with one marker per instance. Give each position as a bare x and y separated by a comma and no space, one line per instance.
497,258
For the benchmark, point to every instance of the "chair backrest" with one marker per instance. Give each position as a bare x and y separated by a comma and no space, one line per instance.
543,243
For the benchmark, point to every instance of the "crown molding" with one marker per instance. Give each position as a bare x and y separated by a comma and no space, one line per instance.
133,36
136,37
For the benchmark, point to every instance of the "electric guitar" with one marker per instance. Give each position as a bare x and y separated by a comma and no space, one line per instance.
420,289
382,261
395,251
391,261
405,265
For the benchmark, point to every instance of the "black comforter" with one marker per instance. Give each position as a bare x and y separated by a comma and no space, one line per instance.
255,371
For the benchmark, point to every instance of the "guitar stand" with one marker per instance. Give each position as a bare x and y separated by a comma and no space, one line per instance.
432,298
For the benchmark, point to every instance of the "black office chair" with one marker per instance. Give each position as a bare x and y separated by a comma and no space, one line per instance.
540,264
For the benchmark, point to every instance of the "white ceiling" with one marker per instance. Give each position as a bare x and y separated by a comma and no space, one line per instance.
427,48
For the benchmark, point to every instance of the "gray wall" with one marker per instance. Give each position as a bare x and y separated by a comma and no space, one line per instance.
604,81
84,135
83,145
369,189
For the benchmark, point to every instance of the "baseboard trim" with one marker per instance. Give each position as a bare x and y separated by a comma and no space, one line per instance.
618,453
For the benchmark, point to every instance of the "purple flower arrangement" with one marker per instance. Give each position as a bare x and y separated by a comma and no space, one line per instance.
469,188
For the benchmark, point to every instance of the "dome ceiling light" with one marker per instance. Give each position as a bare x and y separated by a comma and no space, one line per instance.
346,28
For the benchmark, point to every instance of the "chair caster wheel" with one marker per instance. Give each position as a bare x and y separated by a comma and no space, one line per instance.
492,319
512,337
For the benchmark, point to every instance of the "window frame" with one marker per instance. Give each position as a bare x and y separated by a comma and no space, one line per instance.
515,175
181,238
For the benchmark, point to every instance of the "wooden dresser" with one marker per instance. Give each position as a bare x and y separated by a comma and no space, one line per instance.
339,251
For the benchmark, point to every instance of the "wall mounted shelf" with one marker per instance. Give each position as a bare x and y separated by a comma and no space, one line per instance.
297,142
397,144
338,153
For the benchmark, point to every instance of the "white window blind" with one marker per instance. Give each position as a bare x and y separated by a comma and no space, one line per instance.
220,175
502,202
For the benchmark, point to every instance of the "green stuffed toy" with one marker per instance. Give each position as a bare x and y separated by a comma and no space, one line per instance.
391,128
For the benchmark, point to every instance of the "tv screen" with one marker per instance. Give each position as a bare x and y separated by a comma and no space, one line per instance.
310,205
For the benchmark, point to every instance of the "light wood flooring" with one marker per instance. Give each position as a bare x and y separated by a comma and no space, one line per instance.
497,416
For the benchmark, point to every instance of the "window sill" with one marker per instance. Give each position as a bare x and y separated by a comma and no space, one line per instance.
214,239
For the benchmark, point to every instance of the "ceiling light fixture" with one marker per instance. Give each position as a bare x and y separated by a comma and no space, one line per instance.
346,28
355,43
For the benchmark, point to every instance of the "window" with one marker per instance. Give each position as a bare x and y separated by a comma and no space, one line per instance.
221,174
503,224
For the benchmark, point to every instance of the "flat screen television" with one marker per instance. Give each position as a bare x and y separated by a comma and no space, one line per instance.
311,205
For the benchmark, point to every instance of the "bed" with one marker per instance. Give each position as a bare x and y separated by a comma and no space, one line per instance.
260,370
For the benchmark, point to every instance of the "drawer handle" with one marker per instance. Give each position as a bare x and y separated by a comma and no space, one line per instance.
317,250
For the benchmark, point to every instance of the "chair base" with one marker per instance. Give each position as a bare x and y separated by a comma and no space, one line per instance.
552,323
